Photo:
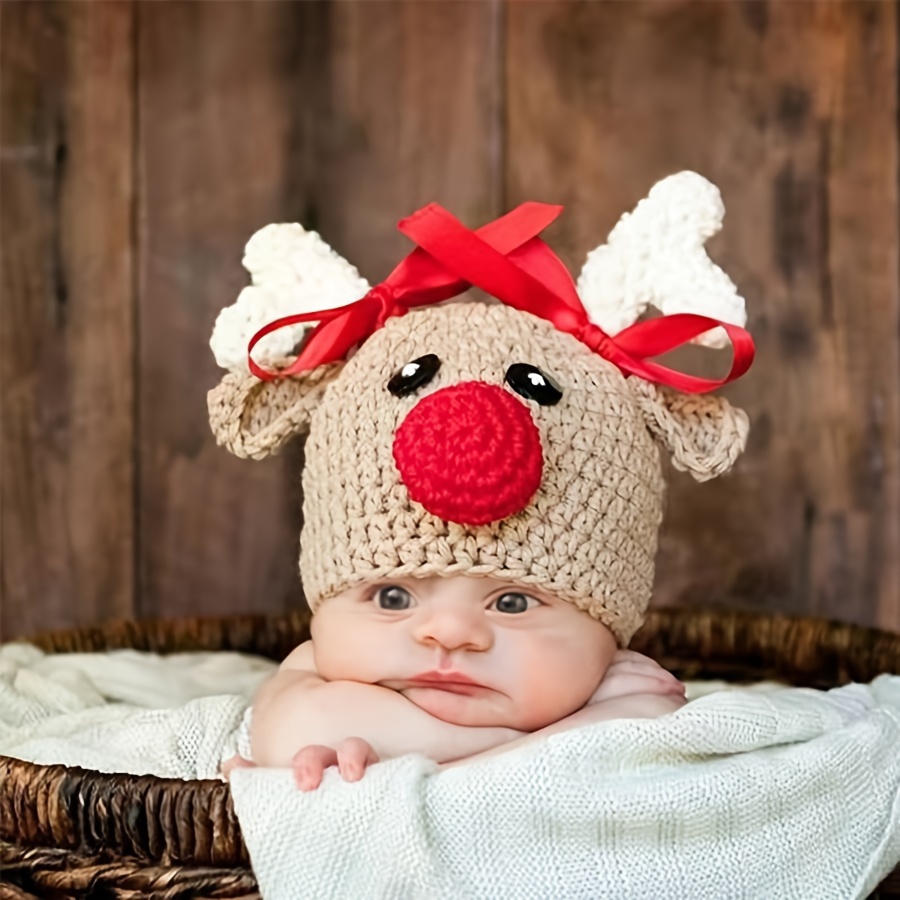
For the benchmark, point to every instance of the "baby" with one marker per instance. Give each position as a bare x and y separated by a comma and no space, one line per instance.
482,483
451,667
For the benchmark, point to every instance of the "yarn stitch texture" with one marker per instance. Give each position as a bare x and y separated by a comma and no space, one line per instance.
589,531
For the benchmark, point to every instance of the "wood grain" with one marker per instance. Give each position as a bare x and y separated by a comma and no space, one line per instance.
222,149
342,116
66,337
142,145
791,109
408,111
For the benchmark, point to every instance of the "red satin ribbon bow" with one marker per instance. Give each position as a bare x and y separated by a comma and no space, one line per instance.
507,260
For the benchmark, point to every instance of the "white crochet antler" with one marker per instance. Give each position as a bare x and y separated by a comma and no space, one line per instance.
656,256
292,270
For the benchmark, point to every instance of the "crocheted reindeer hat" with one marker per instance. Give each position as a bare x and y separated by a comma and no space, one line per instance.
517,439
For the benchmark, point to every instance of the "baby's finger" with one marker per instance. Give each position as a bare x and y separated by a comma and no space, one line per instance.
630,654
310,763
354,755
630,659
645,682
636,670
660,674
655,684
235,762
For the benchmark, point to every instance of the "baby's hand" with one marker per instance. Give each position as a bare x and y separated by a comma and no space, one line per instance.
235,762
352,756
633,673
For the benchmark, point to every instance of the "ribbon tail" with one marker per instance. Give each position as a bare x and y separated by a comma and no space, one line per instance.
657,336
338,330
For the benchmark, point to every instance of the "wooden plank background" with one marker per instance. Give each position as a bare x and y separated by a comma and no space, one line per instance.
67,323
141,144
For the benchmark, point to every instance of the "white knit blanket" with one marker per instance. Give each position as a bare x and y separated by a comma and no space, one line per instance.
176,716
775,793
786,794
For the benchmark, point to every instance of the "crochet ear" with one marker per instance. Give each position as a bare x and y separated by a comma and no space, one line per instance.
704,434
255,419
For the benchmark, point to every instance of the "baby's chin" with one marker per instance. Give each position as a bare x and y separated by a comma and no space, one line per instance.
473,712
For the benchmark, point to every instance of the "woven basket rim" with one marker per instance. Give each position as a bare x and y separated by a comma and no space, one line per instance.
243,632
167,821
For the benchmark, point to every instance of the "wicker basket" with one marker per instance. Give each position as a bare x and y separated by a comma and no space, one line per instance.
68,832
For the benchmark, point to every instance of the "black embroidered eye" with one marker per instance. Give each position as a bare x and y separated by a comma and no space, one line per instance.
413,375
533,384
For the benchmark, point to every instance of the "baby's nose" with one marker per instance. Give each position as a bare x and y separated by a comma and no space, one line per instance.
455,630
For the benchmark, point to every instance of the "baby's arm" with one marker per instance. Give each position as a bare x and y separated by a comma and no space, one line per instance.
634,687
297,709
631,674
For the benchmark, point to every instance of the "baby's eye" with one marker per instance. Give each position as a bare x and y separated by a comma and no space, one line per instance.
393,597
515,603
414,375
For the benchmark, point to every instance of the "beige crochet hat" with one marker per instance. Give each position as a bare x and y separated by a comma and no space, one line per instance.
476,438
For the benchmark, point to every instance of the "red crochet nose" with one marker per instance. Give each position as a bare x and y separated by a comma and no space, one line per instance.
470,453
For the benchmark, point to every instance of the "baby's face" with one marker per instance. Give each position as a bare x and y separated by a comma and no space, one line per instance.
531,658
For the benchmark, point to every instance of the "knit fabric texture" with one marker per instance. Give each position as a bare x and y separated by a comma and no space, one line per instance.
770,792
464,476
474,438
176,715
786,794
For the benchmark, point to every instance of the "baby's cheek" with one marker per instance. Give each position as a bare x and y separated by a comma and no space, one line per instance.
340,660
339,648
545,702
342,664
553,689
